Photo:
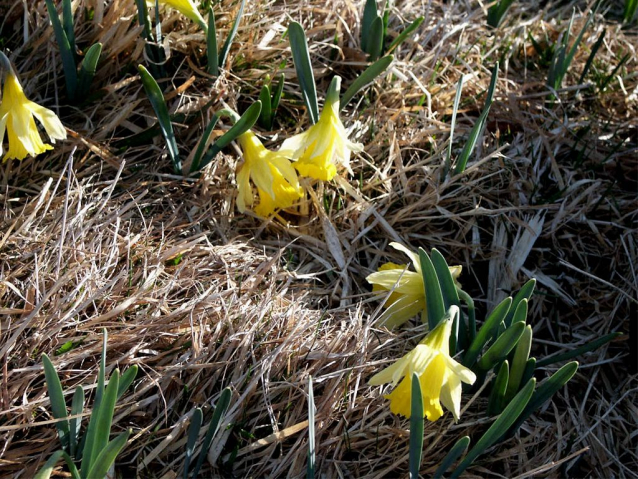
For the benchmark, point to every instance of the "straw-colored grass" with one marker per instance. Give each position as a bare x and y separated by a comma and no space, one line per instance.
201,297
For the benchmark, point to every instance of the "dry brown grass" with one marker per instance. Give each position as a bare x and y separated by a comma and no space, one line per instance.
89,237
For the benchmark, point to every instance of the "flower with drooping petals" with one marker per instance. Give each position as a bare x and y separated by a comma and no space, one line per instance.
319,150
408,290
440,376
185,7
271,172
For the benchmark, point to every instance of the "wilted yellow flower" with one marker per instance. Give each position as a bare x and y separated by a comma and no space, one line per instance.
440,376
272,173
16,117
325,145
408,297
185,7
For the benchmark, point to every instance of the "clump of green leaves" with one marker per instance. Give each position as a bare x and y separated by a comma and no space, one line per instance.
374,31
96,453
270,103
78,83
152,39
217,60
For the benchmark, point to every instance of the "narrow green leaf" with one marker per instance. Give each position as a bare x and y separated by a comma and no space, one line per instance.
88,68
67,22
58,404
498,351
265,117
585,348
433,296
471,313
446,281
310,470
77,406
498,428
455,109
572,51
519,362
375,39
369,15
609,77
107,456
126,380
496,402
241,126
451,457
66,52
477,130
497,11
277,96
161,110
404,34
301,58
48,467
213,427
193,435
545,391
211,45
223,53
486,332
367,77
629,12
524,293
416,427
593,53
203,141
530,367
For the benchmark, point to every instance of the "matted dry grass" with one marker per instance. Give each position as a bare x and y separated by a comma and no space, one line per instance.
201,297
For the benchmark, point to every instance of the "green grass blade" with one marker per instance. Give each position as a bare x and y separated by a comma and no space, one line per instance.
58,404
66,52
498,428
496,401
585,348
265,117
77,406
191,442
477,130
107,456
593,53
545,391
241,126
572,51
211,45
491,325
451,457
301,58
375,40
629,12
498,351
369,15
455,109
223,53
405,33
213,427
277,96
524,293
367,77
519,363
48,467
416,428
203,141
67,23
497,11
310,470
609,77
433,296
126,380
88,68
161,110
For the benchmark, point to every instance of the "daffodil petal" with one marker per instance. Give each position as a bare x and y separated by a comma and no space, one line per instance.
401,310
451,395
49,120
407,282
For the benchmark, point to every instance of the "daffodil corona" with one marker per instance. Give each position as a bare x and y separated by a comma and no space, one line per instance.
440,376
17,119
272,173
185,7
408,290
319,150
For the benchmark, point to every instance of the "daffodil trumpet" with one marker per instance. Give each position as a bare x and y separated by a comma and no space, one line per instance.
17,119
440,376
323,148
185,7
406,288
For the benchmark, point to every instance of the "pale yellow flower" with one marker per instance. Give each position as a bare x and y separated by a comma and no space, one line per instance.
271,172
408,290
319,150
185,7
16,118
440,376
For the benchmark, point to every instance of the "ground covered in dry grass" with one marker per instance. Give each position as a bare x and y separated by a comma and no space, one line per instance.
201,297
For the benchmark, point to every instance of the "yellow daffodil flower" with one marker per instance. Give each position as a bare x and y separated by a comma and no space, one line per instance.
185,7
408,291
272,173
16,118
319,150
440,376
